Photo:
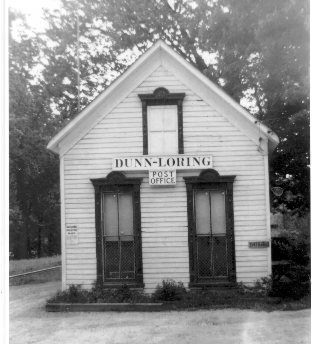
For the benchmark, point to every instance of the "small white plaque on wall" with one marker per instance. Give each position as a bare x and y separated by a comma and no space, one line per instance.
162,177
72,234
259,244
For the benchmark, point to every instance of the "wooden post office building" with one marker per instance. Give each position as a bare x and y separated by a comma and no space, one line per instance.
164,176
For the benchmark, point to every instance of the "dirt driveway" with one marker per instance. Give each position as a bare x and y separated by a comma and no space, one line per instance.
29,323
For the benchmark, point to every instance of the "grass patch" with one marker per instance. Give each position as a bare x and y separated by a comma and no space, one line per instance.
27,265
42,277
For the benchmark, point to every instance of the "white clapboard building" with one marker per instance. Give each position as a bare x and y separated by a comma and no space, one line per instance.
164,176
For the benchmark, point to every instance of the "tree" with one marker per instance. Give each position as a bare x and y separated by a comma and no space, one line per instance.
34,196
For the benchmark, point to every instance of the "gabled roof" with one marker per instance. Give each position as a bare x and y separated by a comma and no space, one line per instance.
160,54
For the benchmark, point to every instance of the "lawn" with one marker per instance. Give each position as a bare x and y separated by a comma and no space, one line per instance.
27,265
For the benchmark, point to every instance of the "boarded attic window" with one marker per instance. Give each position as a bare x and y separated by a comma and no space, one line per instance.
162,122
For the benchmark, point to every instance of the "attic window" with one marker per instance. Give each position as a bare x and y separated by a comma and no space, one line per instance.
162,122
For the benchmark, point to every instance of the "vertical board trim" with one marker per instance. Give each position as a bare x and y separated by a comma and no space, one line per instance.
63,223
267,201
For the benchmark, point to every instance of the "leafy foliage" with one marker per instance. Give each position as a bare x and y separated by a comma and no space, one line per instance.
169,291
34,172
292,246
98,294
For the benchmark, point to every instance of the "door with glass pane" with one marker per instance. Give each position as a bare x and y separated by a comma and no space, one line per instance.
211,256
118,238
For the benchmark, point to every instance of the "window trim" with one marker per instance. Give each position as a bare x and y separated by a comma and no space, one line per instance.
161,96
117,181
210,179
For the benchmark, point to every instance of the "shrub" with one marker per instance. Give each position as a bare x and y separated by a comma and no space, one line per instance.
125,293
293,283
262,287
98,294
169,291
292,245
73,294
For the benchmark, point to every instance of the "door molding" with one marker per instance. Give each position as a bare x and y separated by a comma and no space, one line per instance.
117,181
210,179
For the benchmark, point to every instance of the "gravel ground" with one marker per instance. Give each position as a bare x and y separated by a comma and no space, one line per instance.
29,323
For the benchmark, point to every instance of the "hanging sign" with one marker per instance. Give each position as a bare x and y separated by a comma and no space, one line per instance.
162,177
259,244
163,162
72,235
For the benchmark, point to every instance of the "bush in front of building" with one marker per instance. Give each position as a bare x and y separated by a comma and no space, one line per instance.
291,282
261,288
124,294
98,294
169,291
74,294
292,246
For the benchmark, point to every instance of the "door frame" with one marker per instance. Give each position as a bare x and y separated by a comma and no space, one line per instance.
116,182
210,179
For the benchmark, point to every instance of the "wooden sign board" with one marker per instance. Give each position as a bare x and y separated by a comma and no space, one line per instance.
144,163
162,178
259,244
72,235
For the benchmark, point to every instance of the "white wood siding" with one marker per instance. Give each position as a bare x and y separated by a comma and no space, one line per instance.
164,210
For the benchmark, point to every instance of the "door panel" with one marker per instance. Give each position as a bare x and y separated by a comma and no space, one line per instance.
118,239
218,223
219,256
125,212
211,241
110,215
127,258
202,206
204,257
111,258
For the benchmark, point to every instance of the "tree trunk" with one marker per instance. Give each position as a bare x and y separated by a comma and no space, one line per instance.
39,242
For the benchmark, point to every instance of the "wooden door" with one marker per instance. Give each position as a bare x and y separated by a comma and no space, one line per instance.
211,254
118,238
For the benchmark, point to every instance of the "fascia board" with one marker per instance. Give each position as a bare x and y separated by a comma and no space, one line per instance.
217,98
68,136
